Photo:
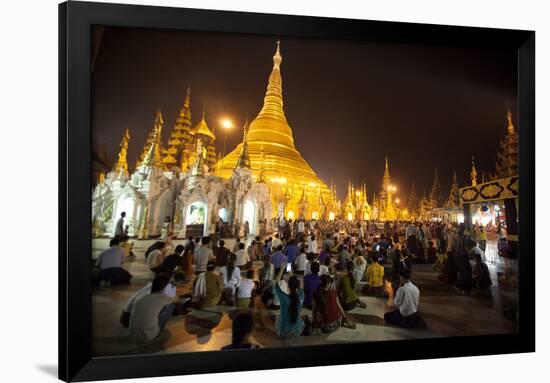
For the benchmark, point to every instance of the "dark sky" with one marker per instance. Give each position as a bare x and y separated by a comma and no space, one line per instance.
348,103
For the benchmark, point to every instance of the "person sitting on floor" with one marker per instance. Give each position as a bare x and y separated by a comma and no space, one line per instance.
245,290
207,287
481,276
348,294
432,252
110,262
172,261
156,257
203,255
243,261
231,276
406,300
222,255
242,326
449,273
289,323
375,279
311,283
328,314
169,291
151,312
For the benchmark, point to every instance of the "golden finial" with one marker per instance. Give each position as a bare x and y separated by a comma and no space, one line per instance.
277,58
187,100
473,173
511,128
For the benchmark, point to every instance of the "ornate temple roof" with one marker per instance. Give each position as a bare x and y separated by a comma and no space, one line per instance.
202,128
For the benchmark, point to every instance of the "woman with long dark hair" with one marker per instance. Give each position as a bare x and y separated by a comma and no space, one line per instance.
289,323
328,314
347,287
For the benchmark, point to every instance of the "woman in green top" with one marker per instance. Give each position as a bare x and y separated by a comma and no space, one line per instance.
289,323
348,295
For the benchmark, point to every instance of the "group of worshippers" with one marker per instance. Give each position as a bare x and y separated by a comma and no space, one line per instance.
293,275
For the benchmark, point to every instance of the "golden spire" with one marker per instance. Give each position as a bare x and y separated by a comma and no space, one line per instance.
244,160
511,128
122,164
152,157
272,116
386,180
473,173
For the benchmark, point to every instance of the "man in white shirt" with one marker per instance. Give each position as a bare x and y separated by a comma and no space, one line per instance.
276,242
244,290
151,312
242,257
109,263
406,300
202,256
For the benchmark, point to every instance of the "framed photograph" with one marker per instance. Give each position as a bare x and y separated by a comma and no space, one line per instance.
244,191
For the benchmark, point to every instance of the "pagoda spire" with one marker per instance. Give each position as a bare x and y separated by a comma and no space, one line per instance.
122,163
454,200
244,160
435,193
473,173
507,156
386,181
511,129
273,100
152,156
180,137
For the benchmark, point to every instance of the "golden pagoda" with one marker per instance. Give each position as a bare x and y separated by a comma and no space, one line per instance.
273,155
201,132
151,153
180,137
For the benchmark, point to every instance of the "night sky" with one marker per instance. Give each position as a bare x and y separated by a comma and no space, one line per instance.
348,103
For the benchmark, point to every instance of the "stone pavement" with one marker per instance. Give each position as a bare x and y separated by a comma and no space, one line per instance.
445,311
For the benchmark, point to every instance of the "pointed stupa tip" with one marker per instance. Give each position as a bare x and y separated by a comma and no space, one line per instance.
158,118
386,162
277,58
187,101
510,123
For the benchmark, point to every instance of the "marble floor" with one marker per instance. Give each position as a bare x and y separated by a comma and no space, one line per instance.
445,311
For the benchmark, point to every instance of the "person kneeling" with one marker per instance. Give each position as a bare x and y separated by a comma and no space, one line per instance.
151,312
406,300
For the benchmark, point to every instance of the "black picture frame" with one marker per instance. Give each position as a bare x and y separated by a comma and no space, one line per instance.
75,306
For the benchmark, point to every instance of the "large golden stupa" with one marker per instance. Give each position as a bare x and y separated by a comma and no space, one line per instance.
295,189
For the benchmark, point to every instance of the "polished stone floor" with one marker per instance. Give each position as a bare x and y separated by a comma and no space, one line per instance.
445,312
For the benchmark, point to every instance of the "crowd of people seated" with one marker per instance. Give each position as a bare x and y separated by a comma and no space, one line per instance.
325,273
